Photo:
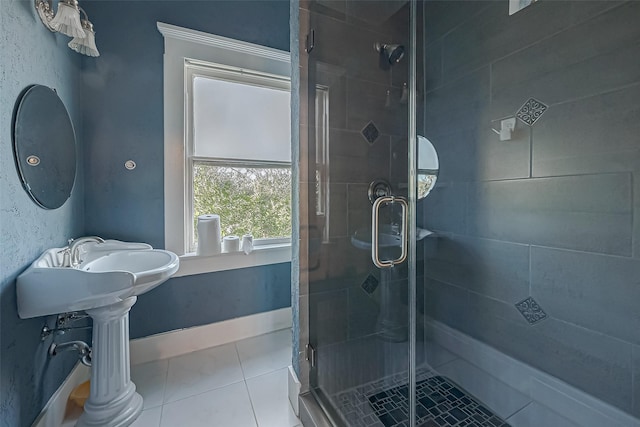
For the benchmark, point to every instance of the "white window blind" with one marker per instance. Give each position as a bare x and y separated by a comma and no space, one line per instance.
234,120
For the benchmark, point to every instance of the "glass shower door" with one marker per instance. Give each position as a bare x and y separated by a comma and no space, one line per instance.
357,259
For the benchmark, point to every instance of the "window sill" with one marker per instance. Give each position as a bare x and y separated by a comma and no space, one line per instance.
191,264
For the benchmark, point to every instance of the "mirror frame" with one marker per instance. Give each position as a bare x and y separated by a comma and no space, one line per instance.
32,128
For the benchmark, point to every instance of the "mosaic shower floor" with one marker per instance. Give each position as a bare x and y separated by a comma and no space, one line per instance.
440,403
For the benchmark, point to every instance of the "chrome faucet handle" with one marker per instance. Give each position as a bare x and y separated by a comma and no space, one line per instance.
74,247
66,257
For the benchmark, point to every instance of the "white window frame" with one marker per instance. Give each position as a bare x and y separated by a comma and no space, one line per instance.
184,46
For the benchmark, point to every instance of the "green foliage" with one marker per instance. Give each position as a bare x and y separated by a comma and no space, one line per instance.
248,200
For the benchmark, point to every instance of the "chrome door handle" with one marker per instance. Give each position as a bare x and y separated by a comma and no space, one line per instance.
374,231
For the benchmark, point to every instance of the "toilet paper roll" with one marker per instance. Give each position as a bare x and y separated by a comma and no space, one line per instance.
247,243
208,235
230,244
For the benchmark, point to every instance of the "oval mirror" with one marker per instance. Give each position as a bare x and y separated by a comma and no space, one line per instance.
44,146
428,167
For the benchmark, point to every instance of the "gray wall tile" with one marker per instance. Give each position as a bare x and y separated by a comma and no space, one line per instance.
503,159
444,16
366,102
449,304
433,66
597,292
581,11
398,165
349,143
445,208
338,210
363,311
596,134
488,312
581,59
589,212
328,317
346,169
461,105
493,34
573,63
359,215
349,47
345,260
591,361
493,268
457,153
354,160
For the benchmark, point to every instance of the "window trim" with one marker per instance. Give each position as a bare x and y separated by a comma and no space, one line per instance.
181,46
222,72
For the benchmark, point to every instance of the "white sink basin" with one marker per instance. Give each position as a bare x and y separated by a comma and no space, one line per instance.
361,239
387,238
109,273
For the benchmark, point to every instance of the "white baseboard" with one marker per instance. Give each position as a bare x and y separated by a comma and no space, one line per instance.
575,405
53,413
294,387
183,341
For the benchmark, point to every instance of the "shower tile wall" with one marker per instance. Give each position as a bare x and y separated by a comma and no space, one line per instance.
553,213
341,314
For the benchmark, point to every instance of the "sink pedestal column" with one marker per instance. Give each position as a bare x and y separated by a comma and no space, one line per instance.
113,401
392,319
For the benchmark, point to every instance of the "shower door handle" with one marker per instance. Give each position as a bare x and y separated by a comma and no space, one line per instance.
374,231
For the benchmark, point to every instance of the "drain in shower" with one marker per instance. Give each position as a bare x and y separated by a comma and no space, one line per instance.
439,403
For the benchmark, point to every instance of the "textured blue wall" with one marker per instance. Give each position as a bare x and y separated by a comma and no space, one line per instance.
31,54
207,298
124,88
122,109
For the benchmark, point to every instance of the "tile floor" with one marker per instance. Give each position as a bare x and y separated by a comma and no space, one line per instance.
245,384
241,384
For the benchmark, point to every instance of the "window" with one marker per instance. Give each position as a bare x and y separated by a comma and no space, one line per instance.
227,146
239,151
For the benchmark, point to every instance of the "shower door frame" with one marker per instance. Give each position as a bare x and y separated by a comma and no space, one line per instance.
330,412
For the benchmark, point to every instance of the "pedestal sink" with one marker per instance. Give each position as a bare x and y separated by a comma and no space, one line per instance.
105,283
391,324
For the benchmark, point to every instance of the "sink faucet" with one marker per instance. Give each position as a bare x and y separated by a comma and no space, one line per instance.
74,247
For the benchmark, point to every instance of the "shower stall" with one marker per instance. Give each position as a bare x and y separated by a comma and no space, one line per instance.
469,245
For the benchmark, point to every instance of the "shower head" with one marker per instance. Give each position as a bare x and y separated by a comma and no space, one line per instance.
392,52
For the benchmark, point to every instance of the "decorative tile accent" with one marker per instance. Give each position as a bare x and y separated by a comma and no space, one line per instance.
531,310
531,111
370,133
370,284
440,402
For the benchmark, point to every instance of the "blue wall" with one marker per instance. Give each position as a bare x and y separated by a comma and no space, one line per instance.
31,54
124,89
207,298
120,94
